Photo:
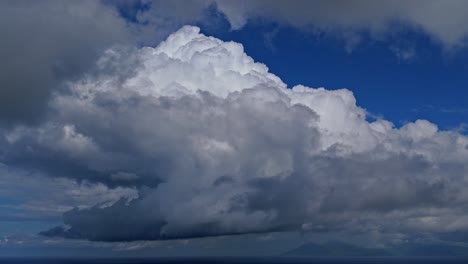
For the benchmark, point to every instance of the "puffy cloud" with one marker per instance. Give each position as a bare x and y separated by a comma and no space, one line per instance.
216,145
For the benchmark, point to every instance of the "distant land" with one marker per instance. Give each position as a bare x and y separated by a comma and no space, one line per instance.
340,249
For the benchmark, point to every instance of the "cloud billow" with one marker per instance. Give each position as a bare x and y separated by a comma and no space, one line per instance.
217,145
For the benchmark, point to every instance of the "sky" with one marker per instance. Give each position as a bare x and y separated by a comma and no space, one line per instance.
206,127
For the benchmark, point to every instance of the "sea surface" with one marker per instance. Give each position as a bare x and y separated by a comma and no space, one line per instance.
257,260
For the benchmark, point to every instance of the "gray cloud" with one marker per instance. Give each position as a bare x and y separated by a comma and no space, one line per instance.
34,196
46,42
444,21
216,145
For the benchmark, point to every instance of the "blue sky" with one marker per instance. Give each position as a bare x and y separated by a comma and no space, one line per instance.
190,140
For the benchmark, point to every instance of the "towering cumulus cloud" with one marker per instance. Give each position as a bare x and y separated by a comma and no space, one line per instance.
216,145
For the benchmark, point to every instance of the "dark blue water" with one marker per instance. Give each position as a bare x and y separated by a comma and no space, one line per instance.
263,260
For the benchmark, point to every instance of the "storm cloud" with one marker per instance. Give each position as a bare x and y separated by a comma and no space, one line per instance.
215,144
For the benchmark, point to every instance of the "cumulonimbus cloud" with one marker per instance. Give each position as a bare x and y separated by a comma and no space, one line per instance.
216,145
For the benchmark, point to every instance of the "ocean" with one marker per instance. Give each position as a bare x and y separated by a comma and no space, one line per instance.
236,260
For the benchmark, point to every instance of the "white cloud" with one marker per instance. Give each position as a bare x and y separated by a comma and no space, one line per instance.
217,145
